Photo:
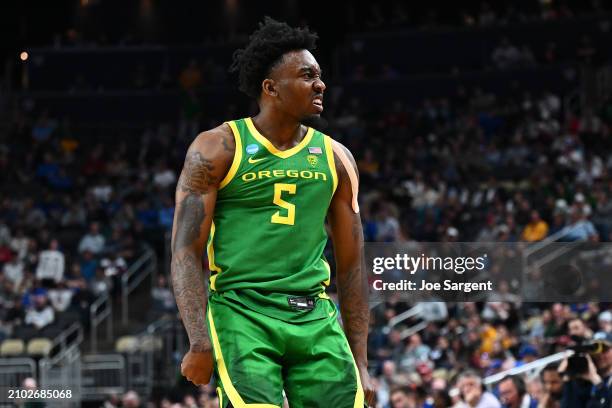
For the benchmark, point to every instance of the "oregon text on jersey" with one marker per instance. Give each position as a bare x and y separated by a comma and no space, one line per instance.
280,173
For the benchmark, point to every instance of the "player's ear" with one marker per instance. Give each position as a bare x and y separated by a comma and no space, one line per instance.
269,87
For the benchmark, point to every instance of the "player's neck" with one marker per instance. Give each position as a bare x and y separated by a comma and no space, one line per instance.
283,131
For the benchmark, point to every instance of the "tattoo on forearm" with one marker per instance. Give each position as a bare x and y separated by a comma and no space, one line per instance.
189,220
187,277
191,297
196,176
353,294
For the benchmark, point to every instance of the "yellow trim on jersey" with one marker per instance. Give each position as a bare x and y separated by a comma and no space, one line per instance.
220,396
283,154
327,282
237,156
331,162
359,395
226,382
210,250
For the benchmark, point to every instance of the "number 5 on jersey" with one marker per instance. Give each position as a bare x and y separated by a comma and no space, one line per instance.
277,218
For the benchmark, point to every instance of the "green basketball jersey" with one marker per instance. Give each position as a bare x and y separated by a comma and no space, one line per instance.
268,235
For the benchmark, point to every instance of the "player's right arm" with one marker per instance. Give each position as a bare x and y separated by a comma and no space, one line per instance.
206,163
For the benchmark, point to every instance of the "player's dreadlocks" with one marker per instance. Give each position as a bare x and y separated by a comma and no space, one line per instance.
265,48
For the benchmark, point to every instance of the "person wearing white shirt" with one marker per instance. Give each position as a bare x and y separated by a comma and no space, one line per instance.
41,314
51,263
19,243
93,241
13,271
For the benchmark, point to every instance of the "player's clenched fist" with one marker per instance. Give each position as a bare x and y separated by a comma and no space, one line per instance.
197,366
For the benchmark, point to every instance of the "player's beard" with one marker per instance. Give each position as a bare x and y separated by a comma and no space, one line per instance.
315,121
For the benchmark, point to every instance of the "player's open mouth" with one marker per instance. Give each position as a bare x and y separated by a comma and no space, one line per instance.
318,103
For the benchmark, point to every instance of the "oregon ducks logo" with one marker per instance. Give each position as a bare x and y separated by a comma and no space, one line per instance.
312,159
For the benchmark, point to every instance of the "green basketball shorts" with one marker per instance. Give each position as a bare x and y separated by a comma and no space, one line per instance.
257,357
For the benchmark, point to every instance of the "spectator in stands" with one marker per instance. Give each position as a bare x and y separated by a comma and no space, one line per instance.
93,241
13,270
577,328
19,243
51,264
580,228
163,299
165,213
164,177
61,297
535,389
15,314
472,393
403,397
553,386
130,399
386,382
40,314
414,353
604,321
536,230
513,393
387,225
88,266
506,55
592,389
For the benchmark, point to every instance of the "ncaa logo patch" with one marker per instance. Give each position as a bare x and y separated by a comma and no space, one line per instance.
252,149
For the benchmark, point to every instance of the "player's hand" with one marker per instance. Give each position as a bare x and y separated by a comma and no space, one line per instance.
368,387
197,366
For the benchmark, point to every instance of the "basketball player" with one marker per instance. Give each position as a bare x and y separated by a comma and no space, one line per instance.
255,192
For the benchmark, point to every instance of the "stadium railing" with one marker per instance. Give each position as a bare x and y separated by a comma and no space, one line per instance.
101,309
532,368
541,253
62,371
414,311
13,370
102,375
144,266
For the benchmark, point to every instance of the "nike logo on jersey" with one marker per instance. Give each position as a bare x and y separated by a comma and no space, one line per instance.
253,161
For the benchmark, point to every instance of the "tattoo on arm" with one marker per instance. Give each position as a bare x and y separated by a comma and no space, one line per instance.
187,276
196,176
191,297
353,294
226,145
189,219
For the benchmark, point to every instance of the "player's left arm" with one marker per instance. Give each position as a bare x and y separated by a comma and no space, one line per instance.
351,278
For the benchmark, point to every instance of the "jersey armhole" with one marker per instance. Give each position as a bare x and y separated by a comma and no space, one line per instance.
237,156
351,173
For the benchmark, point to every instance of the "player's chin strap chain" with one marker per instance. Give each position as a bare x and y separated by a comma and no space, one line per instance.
350,171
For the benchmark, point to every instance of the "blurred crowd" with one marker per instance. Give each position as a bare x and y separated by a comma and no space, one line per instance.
444,364
481,169
73,215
